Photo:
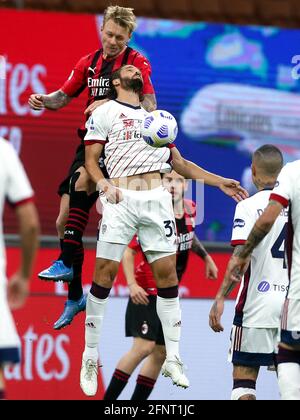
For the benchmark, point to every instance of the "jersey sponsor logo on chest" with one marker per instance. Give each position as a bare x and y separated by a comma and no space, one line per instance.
98,87
130,129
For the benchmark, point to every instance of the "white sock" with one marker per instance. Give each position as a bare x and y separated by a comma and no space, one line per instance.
289,381
169,313
95,310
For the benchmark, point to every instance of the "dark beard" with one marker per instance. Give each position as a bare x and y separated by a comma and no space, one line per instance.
136,84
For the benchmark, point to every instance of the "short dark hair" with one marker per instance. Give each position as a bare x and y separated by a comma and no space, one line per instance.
112,92
269,159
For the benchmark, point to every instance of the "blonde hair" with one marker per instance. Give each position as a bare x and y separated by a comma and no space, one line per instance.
122,16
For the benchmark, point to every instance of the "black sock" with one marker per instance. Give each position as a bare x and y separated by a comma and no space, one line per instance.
75,226
116,386
75,287
143,389
61,244
2,394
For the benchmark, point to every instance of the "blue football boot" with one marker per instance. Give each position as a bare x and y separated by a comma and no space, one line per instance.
57,272
72,308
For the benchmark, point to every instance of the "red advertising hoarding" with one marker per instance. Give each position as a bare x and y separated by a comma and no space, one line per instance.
51,360
193,284
39,58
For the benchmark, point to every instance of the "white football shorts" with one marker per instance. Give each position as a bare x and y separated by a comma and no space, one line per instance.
149,214
253,346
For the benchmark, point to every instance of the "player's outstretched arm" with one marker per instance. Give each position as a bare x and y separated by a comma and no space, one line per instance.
53,101
190,170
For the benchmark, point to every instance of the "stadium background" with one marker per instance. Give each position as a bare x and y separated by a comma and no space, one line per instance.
199,72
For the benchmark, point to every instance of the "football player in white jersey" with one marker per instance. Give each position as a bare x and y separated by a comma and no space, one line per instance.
255,332
134,201
14,186
286,193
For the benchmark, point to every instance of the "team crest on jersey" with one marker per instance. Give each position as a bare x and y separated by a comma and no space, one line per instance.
91,124
128,123
145,328
239,223
104,229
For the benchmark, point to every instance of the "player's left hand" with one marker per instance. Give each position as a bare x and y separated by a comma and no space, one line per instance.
94,105
233,188
211,270
17,291
215,315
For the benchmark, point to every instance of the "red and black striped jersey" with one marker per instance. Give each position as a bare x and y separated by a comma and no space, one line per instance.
94,71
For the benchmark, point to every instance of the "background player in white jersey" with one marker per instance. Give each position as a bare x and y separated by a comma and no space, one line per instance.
286,193
255,332
134,201
15,186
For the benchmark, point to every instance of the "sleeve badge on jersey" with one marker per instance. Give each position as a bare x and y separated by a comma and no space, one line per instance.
91,124
239,223
71,75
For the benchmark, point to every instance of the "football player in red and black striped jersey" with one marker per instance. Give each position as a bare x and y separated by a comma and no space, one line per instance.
92,73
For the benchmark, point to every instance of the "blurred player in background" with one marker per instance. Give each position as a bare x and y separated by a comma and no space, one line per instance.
77,191
14,186
134,201
256,327
286,193
142,321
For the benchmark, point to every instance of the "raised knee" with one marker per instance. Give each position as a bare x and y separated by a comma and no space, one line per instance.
81,181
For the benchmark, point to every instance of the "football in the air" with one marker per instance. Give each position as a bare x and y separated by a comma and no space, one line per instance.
159,128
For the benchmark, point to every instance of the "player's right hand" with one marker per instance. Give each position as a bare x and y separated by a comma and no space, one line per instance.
36,102
215,315
113,195
138,295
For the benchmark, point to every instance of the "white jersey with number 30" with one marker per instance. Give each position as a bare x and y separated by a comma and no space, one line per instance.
265,283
